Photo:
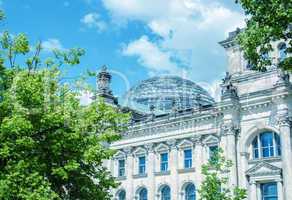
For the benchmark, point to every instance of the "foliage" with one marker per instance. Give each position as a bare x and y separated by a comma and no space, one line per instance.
51,147
268,21
214,186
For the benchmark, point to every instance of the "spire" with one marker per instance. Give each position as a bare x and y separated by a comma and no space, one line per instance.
103,86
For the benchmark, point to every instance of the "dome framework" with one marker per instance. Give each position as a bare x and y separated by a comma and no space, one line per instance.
167,93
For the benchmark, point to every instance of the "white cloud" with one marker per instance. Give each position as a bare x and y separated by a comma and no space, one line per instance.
52,44
92,20
213,88
85,98
193,26
151,56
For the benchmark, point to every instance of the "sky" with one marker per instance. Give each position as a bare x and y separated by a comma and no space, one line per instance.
136,39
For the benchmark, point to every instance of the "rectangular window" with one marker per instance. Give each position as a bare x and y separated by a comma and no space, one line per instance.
164,162
142,165
121,166
188,158
212,151
269,191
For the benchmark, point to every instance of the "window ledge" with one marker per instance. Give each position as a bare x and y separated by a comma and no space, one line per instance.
269,159
186,170
121,178
140,175
162,173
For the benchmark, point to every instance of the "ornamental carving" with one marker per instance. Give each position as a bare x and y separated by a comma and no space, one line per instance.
284,120
149,147
171,143
229,129
197,139
128,150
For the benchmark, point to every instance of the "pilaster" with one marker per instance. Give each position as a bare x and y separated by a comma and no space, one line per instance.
253,191
229,133
285,131
198,160
173,166
243,182
280,189
129,172
151,169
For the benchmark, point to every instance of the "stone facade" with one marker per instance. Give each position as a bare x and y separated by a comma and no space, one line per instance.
252,103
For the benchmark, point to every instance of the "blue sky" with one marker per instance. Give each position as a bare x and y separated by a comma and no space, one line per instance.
137,39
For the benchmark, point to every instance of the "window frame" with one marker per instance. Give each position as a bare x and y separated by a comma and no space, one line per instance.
211,153
120,193
121,170
145,193
188,161
141,166
272,150
186,192
163,190
164,162
268,196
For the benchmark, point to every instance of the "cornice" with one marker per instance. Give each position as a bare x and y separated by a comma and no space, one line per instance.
255,105
252,75
163,126
267,160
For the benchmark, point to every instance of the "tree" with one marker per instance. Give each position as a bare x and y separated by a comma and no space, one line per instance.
267,21
214,186
51,147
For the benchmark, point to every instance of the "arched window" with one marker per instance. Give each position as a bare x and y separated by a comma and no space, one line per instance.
143,194
266,144
165,193
282,51
190,192
122,195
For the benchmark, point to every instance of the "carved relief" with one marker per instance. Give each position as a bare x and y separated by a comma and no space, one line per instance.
229,129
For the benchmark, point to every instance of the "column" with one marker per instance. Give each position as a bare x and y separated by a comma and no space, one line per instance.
252,195
285,132
259,193
280,189
130,193
230,134
150,167
173,166
198,161
243,182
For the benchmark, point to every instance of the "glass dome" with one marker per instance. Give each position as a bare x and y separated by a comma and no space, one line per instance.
165,93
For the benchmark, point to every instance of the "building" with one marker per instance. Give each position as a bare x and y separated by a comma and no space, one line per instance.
177,125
